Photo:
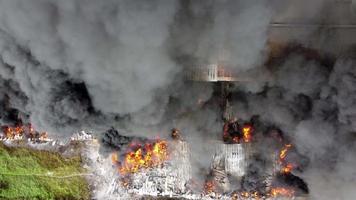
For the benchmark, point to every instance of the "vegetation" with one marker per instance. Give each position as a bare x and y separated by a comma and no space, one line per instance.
32,174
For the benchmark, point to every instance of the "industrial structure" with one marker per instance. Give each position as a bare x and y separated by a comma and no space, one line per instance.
233,155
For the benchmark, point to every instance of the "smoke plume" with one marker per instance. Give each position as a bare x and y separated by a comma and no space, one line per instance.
85,64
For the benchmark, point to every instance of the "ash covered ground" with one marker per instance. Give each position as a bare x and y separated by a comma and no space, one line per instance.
90,65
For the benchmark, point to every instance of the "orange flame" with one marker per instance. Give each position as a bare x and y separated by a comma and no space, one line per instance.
280,191
246,195
11,132
209,187
286,167
246,130
283,153
148,156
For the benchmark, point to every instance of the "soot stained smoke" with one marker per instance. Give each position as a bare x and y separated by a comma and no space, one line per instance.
76,64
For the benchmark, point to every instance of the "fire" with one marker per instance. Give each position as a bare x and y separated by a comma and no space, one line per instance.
283,153
23,131
148,156
209,187
285,167
234,133
12,132
246,130
246,195
280,191
43,136
114,158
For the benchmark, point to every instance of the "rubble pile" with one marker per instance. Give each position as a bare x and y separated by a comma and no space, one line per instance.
166,171
155,168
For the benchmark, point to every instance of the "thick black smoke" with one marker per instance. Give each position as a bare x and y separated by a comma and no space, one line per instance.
85,64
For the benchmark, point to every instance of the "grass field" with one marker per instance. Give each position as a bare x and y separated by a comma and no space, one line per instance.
32,174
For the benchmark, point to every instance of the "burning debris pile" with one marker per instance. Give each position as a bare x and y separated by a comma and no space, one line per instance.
142,156
163,168
154,167
299,78
233,169
23,132
26,132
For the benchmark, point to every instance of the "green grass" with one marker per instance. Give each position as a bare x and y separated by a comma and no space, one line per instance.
26,174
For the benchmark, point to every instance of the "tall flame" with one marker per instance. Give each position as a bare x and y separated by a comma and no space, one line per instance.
285,167
246,130
283,153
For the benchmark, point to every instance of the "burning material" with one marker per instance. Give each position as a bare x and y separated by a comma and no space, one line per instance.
274,193
234,133
20,131
146,170
247,130
285,166
149,168
246,195
43,136
15,132
288,168
144,156
284,151
209,187
282,192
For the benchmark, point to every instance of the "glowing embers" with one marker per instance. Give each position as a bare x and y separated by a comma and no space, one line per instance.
281,192
285,166
246,195
141,156
209,187
273,193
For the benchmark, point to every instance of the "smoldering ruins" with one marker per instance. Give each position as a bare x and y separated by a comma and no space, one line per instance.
281,71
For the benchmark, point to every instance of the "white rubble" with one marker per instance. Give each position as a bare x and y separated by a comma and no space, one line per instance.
81,136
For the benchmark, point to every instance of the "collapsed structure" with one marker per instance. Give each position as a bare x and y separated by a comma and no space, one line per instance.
142,171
